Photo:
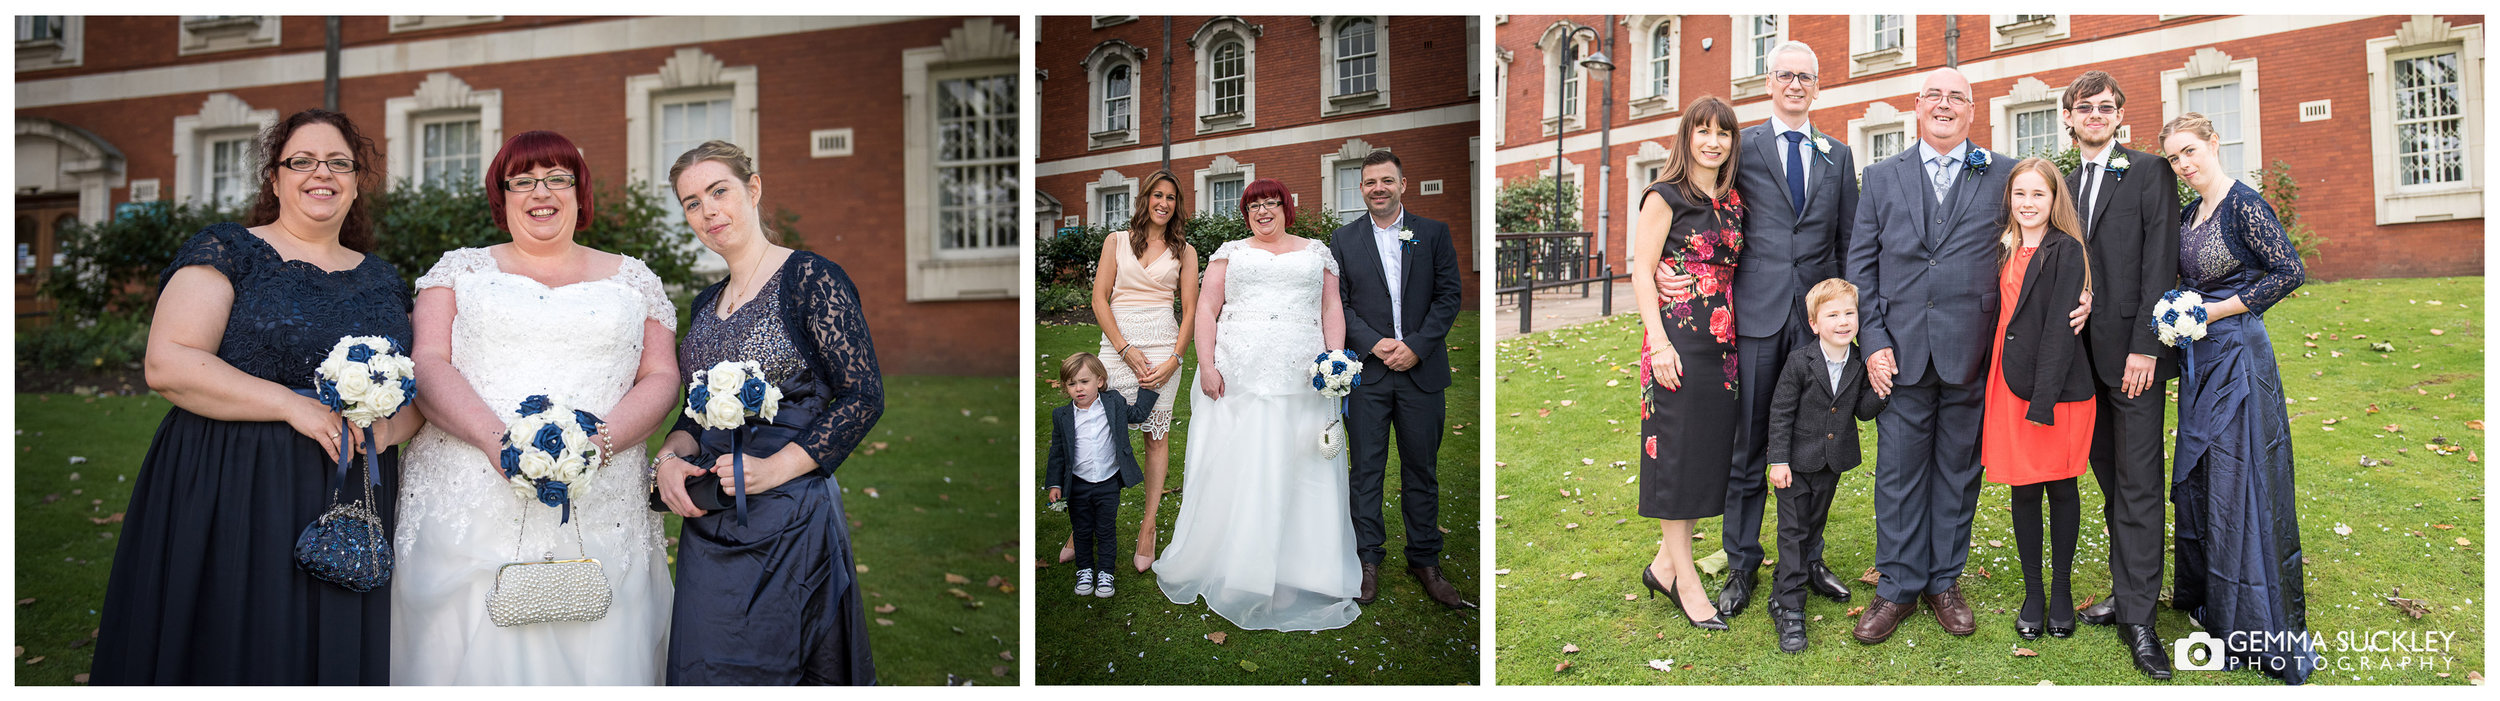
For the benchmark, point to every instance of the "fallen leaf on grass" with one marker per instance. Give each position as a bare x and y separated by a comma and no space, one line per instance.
2087,601
1577,576
995,580
1569,648
2474,678
1662,665
959,593
885,621
80,678
25,601
2443,526
1871,578
885,608
1631,597
1855,610
872,493
1501,571
1560,666
1218,637
2476,424
1570,526
115,518
2025,652
952,578
1996,543
32,661
2462,541
1249,666
2411,607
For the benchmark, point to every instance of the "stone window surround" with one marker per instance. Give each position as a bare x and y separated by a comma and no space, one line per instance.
1221,168
1332,104
980,46
69,51
1204,42
1865,59
1352,151
1880,118
1097,66
1646,101
2207,67
1551,49
1758,84
1111,181
2423,34
2028,95
2003,33
199,34
221,117
442,95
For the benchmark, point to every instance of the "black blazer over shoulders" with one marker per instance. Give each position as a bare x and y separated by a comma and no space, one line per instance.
1812,427
2043,357
1061,468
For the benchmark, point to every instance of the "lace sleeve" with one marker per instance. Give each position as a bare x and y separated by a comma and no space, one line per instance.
1327,257
2263,235
215,247
831,320
1225,252
656,306
455,263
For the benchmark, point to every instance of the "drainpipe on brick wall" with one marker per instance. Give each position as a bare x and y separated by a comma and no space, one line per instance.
1952,39
1167,93
330,64
1606,176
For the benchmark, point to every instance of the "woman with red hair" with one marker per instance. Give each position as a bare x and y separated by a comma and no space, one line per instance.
541,315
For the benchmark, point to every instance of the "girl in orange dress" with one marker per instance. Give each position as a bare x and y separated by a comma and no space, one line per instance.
2037,434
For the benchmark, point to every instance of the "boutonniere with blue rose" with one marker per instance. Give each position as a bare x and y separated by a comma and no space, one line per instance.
2118,166
1978,160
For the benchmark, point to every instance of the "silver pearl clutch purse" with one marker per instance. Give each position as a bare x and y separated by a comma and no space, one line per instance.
547,592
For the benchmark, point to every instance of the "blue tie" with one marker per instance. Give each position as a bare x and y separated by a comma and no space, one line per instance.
1796,172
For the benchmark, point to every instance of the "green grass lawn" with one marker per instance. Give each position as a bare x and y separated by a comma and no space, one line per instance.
1139,637
930,494
2415,523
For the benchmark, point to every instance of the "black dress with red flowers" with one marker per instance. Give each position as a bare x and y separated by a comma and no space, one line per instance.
1685,432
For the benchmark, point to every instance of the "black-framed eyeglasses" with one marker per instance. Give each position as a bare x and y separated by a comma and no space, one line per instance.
554,182
305,164
1278,205
1953,98
1789,76
2103,108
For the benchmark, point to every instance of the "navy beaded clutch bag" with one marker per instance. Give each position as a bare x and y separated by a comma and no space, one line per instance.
348,545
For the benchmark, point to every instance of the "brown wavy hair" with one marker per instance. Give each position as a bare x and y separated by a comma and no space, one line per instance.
1176,233
1710,110
356,233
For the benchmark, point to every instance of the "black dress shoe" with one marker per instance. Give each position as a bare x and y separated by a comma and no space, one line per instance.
1822,581
1792,629
1737,592
1715,622
2100,613
1370,590
2144,645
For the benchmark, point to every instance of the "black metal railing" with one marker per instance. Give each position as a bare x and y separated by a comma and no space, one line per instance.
1526,263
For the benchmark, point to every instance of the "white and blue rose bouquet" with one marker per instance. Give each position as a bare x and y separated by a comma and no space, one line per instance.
1335,374
722,398
550,448
365,379
2179,318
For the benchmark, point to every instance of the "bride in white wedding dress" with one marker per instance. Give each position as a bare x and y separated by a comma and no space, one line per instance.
1263,533
541,315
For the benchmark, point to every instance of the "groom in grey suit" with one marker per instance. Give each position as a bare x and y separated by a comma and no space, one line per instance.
1924,257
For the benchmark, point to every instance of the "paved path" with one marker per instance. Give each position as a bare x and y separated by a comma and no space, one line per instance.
1559,307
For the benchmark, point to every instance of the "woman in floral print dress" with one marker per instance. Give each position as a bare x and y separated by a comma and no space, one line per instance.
1688,353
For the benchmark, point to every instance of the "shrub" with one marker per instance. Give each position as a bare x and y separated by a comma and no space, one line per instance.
1060,298
1070,259
1526,205
114,341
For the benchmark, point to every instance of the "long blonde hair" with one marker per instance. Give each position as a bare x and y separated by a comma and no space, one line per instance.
2062,219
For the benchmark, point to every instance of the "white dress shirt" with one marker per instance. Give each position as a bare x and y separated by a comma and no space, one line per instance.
1392,252
2092,191
1806,152
1093,442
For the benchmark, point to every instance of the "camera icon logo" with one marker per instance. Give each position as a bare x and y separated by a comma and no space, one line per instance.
2185,653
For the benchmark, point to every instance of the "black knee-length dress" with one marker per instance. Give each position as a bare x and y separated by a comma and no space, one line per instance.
1687,434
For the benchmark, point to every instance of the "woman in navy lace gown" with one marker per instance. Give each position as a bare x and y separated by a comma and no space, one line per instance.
769,598
204,588
2238,529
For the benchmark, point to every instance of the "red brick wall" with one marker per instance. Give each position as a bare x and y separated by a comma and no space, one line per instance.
1428,70
846,206
2330,158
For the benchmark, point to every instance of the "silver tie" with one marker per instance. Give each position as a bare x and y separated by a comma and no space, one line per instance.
1943,177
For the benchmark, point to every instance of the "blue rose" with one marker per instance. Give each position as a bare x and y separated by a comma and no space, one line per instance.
588,422
407,390
553,493
751,395
699,398
1357,381
535,403
359,353
551,439
328,394
1977,159
1336,367
1319,382
511,460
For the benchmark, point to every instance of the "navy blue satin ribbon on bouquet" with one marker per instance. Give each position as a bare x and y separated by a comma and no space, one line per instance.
763,439
373,463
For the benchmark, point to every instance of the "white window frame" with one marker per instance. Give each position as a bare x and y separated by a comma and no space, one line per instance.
1501,95
221,116
419,126
1579,179
1351,152
1097,66
419,23
2209,67
203,34
1865,58
1880,118
1647,99
1213,36
1475,61
1101,21
689,71
1331,103
2005,33
1009,160
1221,169
979,46
214,144
2422,35
1557,119
1109,182
1740,83
2028,95
1636,180
441,96
66,51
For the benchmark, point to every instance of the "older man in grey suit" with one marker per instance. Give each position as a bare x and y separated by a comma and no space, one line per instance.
1923,254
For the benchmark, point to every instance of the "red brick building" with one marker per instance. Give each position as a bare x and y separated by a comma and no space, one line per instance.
2380,119
1299,99
847,118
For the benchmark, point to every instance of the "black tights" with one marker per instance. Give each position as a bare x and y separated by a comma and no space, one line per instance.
2065,509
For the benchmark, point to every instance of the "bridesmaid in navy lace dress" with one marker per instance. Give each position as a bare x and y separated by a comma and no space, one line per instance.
771,601
2238,542
204,588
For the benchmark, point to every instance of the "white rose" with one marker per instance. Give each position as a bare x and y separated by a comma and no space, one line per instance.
570,469
354,383
535,464
523,487
724,412
772,401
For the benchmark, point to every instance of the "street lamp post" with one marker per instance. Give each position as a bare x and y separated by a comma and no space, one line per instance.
1596,63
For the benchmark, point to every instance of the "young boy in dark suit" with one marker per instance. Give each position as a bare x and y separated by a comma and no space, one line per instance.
1090,458
1821,396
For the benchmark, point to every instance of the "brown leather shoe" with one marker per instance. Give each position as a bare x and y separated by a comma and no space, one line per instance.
1371,584
1439,589
1952,612
1881,617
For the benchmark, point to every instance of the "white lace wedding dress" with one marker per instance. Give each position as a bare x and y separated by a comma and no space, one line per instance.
459,522
1263,533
